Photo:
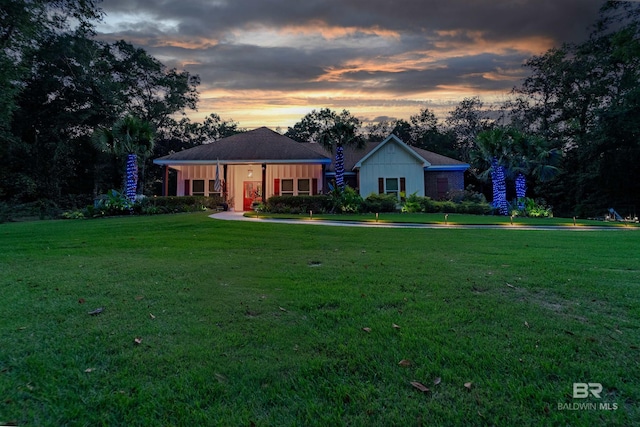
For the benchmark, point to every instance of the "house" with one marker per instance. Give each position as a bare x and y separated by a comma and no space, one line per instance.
247,166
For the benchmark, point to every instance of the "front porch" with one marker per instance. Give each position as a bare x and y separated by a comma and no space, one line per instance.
242,184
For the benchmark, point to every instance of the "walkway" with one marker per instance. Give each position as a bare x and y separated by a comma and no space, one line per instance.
239,216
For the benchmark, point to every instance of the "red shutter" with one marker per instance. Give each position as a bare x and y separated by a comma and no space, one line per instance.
314,186
187,187
276,187
380,185
403,185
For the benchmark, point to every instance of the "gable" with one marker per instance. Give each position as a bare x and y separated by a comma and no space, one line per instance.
391,151
261,145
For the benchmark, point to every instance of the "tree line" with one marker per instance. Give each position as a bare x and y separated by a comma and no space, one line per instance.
74,109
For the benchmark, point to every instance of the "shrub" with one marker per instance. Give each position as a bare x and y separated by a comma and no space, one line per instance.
73,215
379,203
467,195
530,207
115,203
412,204
446,206
429,205
474,208
347,200
298,204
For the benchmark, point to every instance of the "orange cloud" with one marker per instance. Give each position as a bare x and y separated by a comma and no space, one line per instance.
333,32
465,42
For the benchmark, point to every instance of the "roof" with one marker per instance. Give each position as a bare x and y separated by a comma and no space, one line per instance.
260,145
263,145
353,156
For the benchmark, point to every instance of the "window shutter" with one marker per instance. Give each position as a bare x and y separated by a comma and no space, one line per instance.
380,185
187,187
314,186
276,187
403,185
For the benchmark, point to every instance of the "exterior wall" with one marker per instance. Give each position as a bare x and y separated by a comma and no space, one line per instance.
391,161
237,175
455,181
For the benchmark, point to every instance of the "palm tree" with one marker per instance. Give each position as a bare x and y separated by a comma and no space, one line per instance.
342,133
532,157
334,131
130,137
491,159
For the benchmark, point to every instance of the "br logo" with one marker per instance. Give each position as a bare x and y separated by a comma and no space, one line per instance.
582,390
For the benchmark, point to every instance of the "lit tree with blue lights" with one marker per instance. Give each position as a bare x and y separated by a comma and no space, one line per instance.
491,158
130,137
334,131
531,156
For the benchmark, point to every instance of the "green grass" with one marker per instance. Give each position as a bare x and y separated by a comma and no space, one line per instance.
262,324
450,219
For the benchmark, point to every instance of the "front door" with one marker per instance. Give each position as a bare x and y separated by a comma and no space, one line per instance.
252,193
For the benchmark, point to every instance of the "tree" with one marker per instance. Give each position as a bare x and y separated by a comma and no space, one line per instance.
490,159
377,132
465,122
76,85
582,98
152,91
130,137
426,134
212,128
24,24
530,155
333,130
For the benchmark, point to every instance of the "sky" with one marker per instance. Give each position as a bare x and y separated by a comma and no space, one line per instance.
270,62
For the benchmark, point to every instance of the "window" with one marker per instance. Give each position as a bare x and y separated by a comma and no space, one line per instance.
303,187
212,188
286,187
394,186
391,186
197,187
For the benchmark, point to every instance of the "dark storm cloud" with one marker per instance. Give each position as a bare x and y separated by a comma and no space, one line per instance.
400,47
562,20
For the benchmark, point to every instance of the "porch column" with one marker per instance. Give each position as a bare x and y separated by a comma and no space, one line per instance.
264,182
324,178
165,181
224,182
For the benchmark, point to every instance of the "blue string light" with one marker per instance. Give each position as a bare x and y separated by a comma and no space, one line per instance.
499,187
521,189
132,177
340,167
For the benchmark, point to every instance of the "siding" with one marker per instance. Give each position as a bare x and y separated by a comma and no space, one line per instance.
391,161
455,179
238,174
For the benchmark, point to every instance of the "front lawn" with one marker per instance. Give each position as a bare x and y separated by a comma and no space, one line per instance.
210,322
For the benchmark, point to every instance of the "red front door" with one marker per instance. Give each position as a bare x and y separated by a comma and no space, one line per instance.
252,193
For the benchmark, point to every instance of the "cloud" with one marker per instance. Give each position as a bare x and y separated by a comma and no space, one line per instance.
283,55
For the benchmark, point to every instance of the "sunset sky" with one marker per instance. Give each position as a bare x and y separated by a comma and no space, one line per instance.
269,62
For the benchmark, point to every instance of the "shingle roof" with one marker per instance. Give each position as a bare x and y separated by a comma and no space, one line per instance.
263,145
260,145
353,155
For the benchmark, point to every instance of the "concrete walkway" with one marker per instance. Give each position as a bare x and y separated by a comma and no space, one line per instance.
239,216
